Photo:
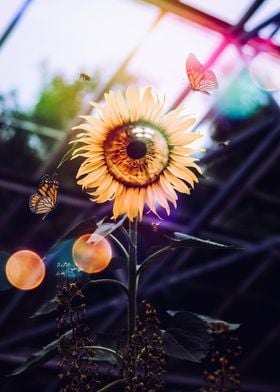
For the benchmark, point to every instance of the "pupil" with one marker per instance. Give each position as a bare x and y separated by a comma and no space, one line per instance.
136,149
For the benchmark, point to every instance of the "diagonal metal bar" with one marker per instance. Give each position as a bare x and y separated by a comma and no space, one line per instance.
275,19
260,347
246,186
237,29
229,189
215,265
23,189
70,135
237,140
14,22
60,150
245,285
233,183
192,14
251,10
182,381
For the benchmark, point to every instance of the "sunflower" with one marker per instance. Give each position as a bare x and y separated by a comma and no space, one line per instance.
135,154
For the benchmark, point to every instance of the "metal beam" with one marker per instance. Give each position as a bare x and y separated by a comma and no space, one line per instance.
15,186
260,170
192,14
214,265
181,381
260,347
230,188
245,285
14,22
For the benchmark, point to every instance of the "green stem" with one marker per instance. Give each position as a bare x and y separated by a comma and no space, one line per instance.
112,384
132,289
150,259
120,245
108,350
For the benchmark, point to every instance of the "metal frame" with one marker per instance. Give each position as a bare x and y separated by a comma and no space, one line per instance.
244,179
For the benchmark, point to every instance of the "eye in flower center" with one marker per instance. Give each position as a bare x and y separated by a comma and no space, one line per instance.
136,153
136,149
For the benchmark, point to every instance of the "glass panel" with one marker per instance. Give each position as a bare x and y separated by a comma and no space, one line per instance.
237,98
161,61
83,36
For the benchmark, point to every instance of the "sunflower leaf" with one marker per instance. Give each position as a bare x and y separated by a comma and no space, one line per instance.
189,241
38,358
187,336
69,153
46,308
106,229
210,320
176,343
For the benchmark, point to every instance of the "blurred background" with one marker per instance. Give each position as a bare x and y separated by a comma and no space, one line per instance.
44,47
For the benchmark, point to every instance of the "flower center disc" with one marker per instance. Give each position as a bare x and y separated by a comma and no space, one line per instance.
136,154
136,149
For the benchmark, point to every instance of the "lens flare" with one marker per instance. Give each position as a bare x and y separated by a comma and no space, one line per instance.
25,270
91,257
265,71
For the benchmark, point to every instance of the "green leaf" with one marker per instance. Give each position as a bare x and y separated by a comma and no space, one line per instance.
40,357
176,346
189,241
69,153
187,337
210,320
106,229
46,308
104,354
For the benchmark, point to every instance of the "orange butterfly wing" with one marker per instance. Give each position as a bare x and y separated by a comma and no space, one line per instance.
200,79
45,200
48,187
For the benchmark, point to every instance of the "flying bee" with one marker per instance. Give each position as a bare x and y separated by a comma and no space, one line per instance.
224,145
84,76
155,226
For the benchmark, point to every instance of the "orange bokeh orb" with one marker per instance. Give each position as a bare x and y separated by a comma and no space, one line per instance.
91,257
25,270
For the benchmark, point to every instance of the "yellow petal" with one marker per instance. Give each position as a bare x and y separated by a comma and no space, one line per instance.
159,197
178,184
141,202
123,109
133,101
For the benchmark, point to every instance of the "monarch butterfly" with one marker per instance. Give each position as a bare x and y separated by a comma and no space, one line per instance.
84,76
201,79
44,201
